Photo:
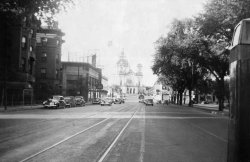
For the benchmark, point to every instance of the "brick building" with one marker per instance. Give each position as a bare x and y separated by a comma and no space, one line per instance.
48,64
81,79
17,59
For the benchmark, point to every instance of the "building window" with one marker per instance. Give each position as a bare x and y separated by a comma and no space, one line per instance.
44,41
44,56
57,58
23,64
43,73
57,74
31,48
24,42
57,42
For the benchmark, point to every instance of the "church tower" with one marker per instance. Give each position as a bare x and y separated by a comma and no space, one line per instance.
122,69
139,75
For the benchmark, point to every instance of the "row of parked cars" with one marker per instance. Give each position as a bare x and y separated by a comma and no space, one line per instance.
58,101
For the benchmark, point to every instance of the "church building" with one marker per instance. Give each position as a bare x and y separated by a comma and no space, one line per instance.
130,82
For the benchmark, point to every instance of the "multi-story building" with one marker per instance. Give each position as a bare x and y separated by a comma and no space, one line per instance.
17,59
48,64
81,79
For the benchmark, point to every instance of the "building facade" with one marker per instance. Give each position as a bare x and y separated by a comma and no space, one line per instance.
48,64
81,79
129,81
17,60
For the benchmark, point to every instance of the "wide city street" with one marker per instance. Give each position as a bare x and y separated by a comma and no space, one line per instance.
129,132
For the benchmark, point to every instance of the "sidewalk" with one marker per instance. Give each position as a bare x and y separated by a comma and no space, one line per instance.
20,108
27,107
212,108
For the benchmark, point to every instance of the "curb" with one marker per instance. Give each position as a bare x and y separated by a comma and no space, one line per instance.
20,108
212,110
23,108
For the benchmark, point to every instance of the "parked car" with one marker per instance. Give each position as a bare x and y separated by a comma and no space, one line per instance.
118,101
123,100
79,101
70,101
96,101
149,102
141,100
106,102
55,102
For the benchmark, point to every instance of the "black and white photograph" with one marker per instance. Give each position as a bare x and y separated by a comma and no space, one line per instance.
125,80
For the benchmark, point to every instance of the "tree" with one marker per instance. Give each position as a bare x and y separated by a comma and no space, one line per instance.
216,25
42,9
174,58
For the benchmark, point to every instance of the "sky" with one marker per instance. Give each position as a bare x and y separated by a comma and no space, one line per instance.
108,27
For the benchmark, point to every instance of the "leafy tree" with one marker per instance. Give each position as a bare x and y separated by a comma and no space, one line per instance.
216,25
43,9
174,58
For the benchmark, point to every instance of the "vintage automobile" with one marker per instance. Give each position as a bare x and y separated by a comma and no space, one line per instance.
79,100
117,101
141,100
55,102
123,100
96,101
149,102
106,102
70,101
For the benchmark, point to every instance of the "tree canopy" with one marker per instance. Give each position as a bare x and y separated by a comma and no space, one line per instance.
194,47
42,9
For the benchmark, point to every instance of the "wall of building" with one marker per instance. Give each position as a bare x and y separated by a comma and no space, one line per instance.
48,64
17,61
81,79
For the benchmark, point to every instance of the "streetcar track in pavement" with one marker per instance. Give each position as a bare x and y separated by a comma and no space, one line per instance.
72,136
104,155
26,133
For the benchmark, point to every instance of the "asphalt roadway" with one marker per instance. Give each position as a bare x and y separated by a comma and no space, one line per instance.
130,132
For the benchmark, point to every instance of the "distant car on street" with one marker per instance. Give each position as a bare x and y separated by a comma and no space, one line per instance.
106,102
123,100
55,102
141,100
118,101
70,101
96,101
149,102
79,101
